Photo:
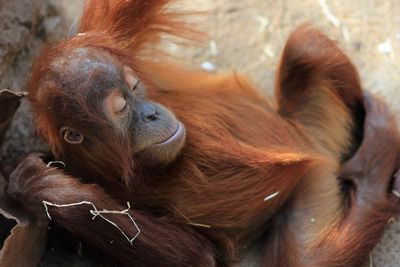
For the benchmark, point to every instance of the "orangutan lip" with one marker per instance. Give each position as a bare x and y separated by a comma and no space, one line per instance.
175,136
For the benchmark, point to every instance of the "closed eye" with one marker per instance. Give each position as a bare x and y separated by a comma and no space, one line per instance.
135,85
123,109
117,103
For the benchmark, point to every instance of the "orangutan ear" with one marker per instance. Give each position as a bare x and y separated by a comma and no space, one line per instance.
71,136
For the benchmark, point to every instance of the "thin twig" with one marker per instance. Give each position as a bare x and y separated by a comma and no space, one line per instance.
98,213
371,263
200,225
325,9
55,162
271,196
188,221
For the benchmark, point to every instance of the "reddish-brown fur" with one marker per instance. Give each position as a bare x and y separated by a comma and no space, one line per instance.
239,150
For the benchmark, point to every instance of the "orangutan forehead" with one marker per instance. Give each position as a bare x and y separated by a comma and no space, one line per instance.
86,69
84,61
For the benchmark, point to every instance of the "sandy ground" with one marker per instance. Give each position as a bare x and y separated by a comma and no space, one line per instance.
248,36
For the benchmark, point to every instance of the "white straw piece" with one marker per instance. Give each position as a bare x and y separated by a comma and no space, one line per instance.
271,196
97,213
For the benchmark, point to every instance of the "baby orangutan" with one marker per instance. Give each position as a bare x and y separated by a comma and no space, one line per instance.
205,162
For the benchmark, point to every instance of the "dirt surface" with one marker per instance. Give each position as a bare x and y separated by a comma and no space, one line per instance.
246,36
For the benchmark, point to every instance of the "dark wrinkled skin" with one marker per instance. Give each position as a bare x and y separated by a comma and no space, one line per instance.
373,177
